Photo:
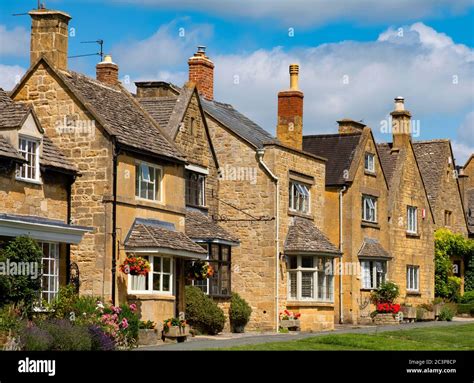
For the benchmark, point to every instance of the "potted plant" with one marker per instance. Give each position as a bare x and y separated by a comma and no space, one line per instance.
239,313
138,267
386,311
290,320
409,312
148,333
175,328
200,270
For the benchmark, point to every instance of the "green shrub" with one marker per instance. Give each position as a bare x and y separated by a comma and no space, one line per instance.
426,306
468,297
446,314
239,312
454,288
33,338
202,312
466,308
386,293
131,332
420,311
10,318
22,289
66,336
438,300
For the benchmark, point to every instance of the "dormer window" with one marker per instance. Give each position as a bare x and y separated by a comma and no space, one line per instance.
370,162
29,149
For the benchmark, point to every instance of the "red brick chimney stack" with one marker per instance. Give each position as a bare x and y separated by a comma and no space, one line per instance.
107,71
201,72
290,113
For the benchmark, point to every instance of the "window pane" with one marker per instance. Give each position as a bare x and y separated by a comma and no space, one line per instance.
214,251
307,262
156,282
225,253
156,264
293,262
292,276
224,279
166,282
307,284
167,265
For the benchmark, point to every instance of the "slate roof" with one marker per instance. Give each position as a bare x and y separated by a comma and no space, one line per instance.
148,233
371,248
160,108
201,227
303,236
339,149
12,114
8,151
432,157
238,123
388,159
40,221
121,115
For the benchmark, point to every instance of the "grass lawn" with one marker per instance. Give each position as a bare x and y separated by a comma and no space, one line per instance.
458,337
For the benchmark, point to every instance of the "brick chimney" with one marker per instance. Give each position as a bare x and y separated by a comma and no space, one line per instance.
49,36
201,72
290,113
401,124
348,126
107,71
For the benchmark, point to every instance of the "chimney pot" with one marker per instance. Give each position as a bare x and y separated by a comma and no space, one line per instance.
294,71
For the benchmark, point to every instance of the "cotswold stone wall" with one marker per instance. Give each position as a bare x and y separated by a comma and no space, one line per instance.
87,147
193,141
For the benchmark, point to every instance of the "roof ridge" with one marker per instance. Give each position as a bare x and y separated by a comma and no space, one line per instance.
331,135
433,141
94,81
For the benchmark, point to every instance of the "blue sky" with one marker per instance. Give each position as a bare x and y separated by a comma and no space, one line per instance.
355,57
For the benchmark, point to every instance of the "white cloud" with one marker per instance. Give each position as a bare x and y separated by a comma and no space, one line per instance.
347,79
463,146
10,75
14,42
315,12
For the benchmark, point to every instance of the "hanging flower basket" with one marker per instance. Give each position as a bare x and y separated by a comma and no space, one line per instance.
200,270
135,266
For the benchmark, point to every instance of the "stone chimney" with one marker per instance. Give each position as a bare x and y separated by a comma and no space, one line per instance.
401,124
290,113
348,126
201,72
107,71
150,89
49,36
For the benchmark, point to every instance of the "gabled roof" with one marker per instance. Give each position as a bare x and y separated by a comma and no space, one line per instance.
389,159
371,248
116,110
12,116
304,237
160,108
159,235
432,157
339,149
238,123
202,228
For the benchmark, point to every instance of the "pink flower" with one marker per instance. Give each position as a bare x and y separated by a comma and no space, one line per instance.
133,307
124,323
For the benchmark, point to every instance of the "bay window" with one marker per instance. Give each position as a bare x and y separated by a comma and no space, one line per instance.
219,257
159,280
308,279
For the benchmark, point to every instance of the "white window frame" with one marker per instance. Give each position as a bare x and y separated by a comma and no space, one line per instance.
369,162
367,200
52,274
149,276
156,183
26,153
317,295
413,278
412,219
370,267
303,194
201,180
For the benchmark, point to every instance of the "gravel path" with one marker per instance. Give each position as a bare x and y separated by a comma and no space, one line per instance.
231,340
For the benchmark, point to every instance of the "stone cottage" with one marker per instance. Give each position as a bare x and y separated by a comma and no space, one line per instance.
35,192
132,189
356,215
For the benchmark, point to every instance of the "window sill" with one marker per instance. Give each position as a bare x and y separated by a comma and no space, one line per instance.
200,207
412,235
369,173
28,181
309,304
413,293
367,290
293,213
373,225
151,297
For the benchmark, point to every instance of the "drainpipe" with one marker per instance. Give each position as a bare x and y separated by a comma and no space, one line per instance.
260,154
69,217
341,243
114,218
